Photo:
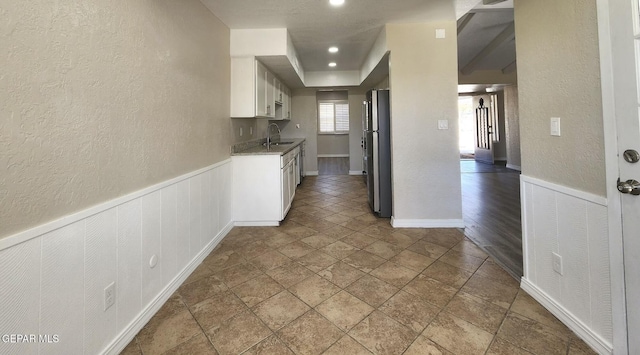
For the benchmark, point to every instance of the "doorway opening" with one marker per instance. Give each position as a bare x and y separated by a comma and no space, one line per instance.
467,128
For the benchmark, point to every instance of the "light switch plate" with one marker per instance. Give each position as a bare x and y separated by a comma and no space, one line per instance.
555,126
440,33
443,124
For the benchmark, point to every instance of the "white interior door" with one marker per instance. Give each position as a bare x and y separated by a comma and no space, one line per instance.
624,26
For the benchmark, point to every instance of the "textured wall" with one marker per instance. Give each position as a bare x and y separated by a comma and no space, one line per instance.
356,97
103,98
512,120
559,76
305,113
425,160
333,144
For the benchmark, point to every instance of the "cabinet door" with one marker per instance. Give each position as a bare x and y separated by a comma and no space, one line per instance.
270,96
286,193
277,90
286,111
292,181
262,105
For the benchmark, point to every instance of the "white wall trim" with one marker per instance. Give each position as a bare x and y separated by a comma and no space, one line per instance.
35,232
566,317
427,223
586,196
311,173
333,155
356,172
125,337
514,167
257,224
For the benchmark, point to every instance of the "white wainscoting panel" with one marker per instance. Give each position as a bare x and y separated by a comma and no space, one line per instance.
128,295
52,277
572,224
20,294
62,288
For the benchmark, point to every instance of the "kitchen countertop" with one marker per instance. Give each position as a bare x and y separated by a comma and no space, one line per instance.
275,149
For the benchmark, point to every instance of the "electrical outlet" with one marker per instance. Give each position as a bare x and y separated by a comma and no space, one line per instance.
109,295
557,263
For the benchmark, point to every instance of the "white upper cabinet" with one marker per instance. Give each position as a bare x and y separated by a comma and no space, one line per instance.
256,92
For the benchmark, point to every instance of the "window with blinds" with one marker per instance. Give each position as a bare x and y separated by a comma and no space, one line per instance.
333,117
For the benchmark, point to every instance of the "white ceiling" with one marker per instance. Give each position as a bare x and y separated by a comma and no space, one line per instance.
314,26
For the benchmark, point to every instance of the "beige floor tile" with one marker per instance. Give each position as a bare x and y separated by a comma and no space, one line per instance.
492,270
270,346
290,274
251,250
296,249
502,347
399,239
457,335
202,289
525,305
269,260
477,312
238,334
132,348
358,240
394,274
280,310
364,261
382,335
347,346
412,260
371,290
344,310
213,311
532,336
166,330
200,272
461,260
352,213
337,218
423,346
238,274
383,249
299,231
490,290
446,237
447,274
432,291
318,241
427,249
197,345
257,290
314,290
302,335
468,247
341,274
409,310
356,225
378,231
338,232
278,240
578,347
219,260
339,249
317,261
317,224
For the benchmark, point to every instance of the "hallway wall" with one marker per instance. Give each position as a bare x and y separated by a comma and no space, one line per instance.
512,127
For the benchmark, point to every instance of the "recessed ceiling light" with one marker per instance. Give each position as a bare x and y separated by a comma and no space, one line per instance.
332,64
333,50
336,2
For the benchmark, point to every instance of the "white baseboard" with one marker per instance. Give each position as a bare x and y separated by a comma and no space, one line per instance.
333,155
257,224
355,172
593,340
427,223
311,173
514,167
125,337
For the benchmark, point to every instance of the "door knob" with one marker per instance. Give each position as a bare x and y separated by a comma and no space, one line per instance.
631,156
629,187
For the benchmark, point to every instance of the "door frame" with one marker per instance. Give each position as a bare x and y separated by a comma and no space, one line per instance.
614,204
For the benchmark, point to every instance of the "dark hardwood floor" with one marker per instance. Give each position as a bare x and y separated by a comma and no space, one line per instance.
333,166
491,211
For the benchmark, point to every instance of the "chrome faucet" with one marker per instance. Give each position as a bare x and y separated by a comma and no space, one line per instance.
269,134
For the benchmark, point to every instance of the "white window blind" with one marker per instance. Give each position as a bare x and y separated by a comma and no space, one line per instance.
333,117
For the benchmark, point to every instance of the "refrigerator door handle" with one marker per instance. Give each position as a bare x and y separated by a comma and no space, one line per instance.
376,174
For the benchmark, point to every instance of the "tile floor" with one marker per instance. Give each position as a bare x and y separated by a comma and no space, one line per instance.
334,279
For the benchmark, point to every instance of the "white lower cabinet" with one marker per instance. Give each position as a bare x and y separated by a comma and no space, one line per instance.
263,187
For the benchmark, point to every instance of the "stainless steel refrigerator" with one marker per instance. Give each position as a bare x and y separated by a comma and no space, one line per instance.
377,150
